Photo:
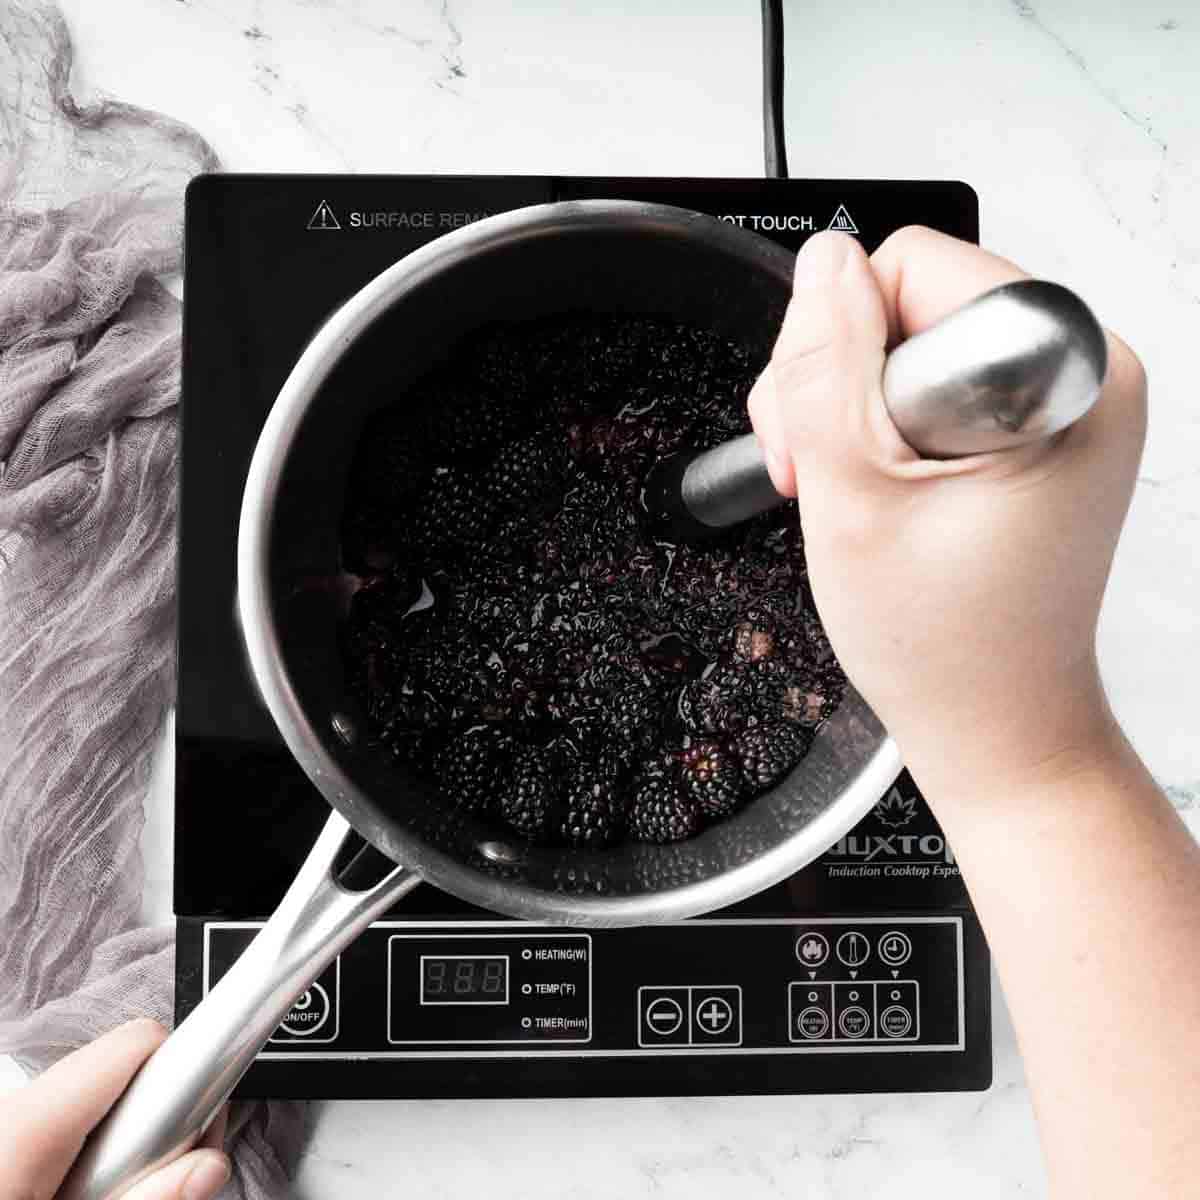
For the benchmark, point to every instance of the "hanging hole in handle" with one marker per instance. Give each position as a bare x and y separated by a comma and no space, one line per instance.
358,866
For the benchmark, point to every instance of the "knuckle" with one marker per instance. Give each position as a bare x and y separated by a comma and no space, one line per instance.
1130,373
908,239
756,401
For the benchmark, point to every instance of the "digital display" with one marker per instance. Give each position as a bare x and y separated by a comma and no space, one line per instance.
456,980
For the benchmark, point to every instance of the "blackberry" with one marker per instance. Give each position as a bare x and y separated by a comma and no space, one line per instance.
814,695
705,709
594,806
754,640
447,517
590,525
460,428
752,691
634,714
712,778
493,614
472,768
660,812
409,723
529,798
587,732
768,752
513,542
526,474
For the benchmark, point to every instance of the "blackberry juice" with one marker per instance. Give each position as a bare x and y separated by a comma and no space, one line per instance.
522,639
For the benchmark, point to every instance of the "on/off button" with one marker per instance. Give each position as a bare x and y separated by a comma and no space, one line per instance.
309,1012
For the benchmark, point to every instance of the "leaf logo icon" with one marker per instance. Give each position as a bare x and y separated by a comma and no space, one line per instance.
895,810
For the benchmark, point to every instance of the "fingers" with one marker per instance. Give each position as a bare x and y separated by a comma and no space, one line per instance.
198,1175
214,1135
818,408
924,275
45,1131
1111,436
767,419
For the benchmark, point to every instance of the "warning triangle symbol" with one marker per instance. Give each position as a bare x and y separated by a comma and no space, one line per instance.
323,218
842,222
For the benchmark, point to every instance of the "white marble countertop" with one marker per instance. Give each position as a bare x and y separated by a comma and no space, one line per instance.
1079,125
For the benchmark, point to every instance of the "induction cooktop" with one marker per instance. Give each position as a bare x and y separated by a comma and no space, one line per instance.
866,971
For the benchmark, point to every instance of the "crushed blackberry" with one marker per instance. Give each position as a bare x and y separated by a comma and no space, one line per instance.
520,640
754,640
712,778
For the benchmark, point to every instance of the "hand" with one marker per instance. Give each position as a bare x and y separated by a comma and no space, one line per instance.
45,1127
962,596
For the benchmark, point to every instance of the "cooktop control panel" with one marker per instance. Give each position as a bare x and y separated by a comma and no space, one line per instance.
794,986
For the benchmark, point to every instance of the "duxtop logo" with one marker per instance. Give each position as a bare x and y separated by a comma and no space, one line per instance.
898,851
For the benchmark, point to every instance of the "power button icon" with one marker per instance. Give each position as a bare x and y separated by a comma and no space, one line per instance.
309,1012
313,1017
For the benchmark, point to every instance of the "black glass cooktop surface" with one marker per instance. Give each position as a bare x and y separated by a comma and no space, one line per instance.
866,971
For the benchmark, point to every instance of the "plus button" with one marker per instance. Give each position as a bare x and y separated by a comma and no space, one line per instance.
714,1014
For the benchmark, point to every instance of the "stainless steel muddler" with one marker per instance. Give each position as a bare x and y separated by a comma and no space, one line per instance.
1017,363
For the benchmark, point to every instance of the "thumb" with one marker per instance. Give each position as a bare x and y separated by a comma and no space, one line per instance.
199,1175
818,408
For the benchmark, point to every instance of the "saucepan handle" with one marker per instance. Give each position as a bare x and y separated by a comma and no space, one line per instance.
179,1090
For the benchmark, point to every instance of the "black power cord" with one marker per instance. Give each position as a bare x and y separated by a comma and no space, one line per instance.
774,147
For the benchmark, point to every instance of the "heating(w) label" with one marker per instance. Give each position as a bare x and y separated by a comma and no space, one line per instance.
489,988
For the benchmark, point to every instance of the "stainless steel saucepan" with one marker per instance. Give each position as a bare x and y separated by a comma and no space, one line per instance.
604,256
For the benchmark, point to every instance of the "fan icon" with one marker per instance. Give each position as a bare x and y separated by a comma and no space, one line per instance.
812,949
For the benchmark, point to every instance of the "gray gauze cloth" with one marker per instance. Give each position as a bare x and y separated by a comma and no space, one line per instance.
90,216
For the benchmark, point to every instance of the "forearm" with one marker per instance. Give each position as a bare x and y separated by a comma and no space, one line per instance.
1088,886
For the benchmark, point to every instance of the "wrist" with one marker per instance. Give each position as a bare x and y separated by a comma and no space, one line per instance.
998,761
